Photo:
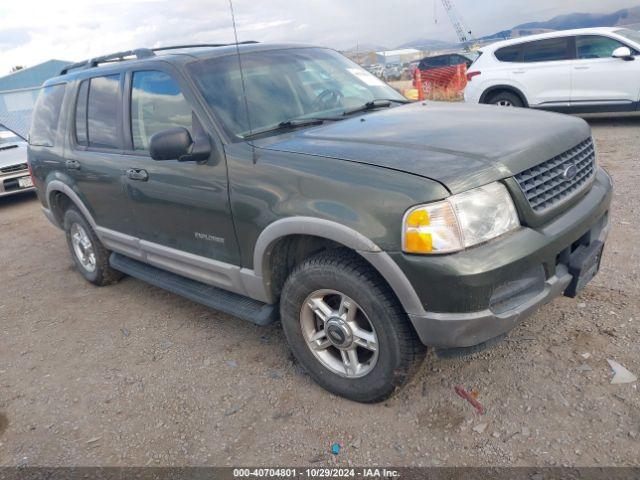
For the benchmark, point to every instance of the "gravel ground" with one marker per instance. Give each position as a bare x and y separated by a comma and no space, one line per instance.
132,375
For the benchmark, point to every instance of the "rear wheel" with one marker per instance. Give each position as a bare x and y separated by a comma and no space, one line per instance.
88,253
505,99
347,329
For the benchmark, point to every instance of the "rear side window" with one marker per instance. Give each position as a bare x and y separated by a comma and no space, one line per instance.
548,50
509,54
46,114
156,104
595,46
96,119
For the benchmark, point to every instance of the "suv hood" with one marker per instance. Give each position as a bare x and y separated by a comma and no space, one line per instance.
461,146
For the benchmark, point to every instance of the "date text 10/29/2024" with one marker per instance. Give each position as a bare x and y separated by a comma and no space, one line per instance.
315,473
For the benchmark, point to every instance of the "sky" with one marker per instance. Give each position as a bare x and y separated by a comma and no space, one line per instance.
32,31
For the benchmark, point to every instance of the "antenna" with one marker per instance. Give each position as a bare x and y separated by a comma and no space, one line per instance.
244,88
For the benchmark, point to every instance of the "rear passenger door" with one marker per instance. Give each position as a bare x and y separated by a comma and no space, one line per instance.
94,160
545,71
183,206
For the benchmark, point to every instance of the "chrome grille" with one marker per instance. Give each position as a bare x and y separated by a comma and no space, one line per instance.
14,168
553,181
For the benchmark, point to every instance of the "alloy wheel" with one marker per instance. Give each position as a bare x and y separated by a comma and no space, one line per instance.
82,247
339,333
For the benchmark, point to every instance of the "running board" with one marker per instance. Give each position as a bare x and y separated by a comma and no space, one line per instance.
216,298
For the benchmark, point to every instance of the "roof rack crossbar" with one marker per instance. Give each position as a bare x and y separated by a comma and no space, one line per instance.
120,56
113,57
140,53
73,66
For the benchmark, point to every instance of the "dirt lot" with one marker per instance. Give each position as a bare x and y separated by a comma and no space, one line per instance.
132,375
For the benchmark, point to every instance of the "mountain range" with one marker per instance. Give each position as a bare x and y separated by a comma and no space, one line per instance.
625,16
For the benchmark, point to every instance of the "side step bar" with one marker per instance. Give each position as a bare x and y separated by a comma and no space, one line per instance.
216,298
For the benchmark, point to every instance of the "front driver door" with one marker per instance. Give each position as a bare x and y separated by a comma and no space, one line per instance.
181,209
600,79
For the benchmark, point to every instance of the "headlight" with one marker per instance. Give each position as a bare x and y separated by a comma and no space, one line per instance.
460,221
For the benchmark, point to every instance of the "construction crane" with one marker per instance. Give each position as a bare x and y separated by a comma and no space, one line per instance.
464,33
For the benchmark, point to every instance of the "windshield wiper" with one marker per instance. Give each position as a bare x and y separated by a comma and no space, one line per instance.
377,103
8,146
395,100
287,125
304,122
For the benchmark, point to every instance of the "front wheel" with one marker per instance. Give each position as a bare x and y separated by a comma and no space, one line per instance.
347,329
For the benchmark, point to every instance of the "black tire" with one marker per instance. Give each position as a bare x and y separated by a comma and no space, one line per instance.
399,349
506,99
102,274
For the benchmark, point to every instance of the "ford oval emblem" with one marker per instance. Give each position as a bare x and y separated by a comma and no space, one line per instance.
570,172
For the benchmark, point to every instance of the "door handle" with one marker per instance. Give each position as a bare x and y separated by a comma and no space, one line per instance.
519,71
138,174
584,67
72,165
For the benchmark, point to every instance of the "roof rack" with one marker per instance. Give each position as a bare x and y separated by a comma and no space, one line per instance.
114,57
139,53
202,45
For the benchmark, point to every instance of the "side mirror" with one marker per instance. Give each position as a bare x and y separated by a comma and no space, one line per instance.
623,53
176,144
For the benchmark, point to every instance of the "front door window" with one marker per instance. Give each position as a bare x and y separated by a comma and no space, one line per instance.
156,104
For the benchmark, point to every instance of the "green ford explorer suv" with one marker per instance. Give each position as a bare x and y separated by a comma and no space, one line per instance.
279,181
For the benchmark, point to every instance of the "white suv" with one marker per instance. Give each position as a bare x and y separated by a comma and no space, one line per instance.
585,70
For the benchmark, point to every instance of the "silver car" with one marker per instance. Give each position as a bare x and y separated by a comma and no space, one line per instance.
14,171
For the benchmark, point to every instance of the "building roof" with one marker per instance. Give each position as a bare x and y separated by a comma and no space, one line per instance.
32,76
402,51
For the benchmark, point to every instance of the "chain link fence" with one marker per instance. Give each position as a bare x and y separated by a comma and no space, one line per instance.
16,108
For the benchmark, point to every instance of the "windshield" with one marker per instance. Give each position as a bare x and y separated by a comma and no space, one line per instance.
7,137
632,35
286,84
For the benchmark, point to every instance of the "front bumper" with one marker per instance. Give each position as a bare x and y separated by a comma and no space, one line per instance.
475,295
9,184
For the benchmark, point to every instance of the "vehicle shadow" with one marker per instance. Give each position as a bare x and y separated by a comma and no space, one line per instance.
631,119
17,199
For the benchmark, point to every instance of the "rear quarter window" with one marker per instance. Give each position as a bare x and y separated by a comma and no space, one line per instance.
46,115
509,54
